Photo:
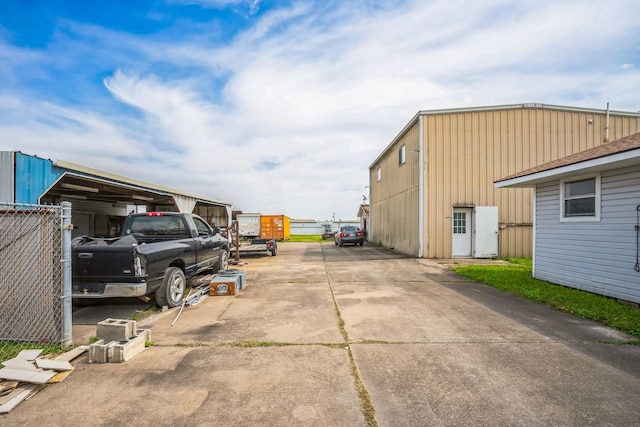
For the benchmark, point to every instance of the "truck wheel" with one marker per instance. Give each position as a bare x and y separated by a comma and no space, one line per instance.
223,261
172,289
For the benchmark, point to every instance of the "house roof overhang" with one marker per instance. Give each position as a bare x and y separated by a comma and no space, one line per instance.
587,167
565,169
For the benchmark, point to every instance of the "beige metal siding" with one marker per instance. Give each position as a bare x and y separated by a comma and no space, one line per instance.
464,152
394,200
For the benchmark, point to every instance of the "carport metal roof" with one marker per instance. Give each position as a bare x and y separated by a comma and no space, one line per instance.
80,182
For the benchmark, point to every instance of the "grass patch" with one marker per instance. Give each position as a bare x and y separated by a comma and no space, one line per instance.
516,278
255,343
306,238
138,315
10,349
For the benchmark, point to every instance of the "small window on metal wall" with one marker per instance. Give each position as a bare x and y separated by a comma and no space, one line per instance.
459,223
402,156
379,174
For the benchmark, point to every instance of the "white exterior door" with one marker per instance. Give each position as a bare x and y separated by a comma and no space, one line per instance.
461,232
485,230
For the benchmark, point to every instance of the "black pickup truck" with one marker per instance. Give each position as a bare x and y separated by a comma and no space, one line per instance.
155,255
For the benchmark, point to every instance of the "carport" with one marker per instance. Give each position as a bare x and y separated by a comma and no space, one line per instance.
100,200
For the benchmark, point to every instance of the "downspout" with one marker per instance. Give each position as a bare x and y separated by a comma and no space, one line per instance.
420,186
606,128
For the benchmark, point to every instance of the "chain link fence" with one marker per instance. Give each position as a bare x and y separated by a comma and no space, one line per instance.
32,277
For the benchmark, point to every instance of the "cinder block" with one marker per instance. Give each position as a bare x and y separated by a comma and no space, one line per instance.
146,332
123,351
116,329
224,285
101,351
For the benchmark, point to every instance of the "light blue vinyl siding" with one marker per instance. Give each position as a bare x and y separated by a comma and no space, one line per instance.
597,256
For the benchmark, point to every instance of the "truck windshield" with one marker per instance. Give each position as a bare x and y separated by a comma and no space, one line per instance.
155,226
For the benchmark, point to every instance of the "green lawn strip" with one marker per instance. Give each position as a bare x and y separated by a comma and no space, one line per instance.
516,278
306,238
9,350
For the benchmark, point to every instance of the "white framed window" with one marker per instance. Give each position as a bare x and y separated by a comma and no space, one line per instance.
459,223
379,174
580,199
402,155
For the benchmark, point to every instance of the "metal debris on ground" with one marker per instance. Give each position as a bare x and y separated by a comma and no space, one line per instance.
184,302
201,294
23,376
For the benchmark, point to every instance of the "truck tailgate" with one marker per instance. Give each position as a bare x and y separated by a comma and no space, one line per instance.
103,263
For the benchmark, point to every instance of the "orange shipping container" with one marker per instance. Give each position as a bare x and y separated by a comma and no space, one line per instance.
275,227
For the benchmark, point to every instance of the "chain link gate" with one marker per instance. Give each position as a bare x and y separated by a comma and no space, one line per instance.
35,278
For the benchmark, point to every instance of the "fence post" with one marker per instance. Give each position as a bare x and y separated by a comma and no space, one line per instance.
67,334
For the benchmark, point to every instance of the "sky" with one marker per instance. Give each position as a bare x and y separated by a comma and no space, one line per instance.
280,107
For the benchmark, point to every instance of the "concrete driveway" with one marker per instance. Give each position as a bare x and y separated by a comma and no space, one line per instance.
329,336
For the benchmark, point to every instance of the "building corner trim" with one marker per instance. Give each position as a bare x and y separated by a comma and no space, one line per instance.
420,186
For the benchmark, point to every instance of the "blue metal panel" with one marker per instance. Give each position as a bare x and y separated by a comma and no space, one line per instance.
33,177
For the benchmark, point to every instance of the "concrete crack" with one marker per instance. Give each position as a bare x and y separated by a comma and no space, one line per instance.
366,405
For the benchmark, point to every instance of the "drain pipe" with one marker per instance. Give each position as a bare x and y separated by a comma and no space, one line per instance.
606,129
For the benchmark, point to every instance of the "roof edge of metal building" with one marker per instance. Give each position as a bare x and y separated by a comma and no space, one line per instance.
114,177
532,105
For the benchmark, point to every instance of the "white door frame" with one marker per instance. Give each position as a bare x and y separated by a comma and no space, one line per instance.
461,232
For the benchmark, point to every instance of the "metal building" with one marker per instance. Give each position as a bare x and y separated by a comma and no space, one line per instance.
100,200
431,189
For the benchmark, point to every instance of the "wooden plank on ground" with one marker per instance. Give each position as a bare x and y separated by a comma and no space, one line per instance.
29,354
40,377
15,397
72,354
7,386
23,364
59,377
55,365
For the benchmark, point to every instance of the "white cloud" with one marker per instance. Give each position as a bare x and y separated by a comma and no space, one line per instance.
287,117
253,5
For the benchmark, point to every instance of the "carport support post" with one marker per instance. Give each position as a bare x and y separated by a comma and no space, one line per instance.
236,228
67,335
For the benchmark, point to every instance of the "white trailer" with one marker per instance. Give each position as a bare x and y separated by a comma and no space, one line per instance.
249,239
